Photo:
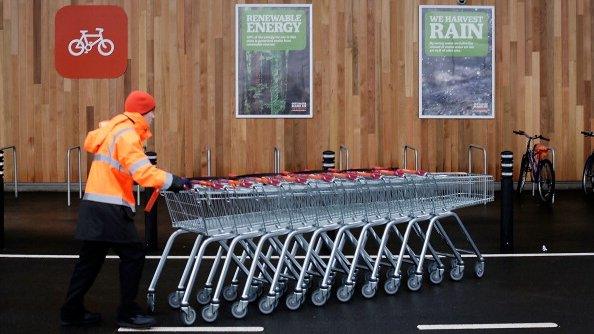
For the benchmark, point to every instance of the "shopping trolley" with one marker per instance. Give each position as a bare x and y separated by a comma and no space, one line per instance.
310,213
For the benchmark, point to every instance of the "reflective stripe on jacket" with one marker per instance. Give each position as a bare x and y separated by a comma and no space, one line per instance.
119,160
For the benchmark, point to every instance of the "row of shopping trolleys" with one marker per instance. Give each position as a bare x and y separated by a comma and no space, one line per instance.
298,235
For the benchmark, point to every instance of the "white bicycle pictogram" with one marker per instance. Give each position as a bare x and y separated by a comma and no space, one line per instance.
105,46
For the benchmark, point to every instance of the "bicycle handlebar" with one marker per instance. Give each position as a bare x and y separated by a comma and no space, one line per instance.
588,133
523,133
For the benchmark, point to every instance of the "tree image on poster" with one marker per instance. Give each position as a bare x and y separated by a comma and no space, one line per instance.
456,70
273,61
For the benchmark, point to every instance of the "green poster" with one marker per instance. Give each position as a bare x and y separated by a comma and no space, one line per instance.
273,61
456,34
456,62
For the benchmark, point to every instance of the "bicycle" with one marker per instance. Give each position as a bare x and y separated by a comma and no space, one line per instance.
588,174
541,169
105,46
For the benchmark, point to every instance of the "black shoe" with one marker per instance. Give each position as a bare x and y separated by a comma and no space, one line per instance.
88,319
138,321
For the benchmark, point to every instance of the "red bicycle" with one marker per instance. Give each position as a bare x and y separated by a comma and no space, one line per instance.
535,162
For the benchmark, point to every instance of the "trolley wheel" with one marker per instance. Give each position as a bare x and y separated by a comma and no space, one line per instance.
479,269
368,290
254,292
411,270
391,285
436,276
238,310
209,314
188,316
414,283
432,266
150,301
457,272
318,298
293,302
173,300
265,306
344,293
203,296
390,273
230,293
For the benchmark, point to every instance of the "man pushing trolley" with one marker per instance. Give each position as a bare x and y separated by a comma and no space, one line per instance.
106,213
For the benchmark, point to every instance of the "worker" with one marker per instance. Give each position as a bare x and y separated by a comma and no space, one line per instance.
106,213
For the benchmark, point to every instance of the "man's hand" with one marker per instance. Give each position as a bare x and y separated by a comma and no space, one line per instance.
180,183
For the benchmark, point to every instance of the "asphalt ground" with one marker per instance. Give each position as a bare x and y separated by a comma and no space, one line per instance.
542,287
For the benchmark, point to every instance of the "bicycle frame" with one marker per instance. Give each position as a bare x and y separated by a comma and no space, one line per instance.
532,164
84,37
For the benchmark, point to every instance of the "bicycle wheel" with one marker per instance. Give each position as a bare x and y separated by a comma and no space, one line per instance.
546,181
588,175
523,174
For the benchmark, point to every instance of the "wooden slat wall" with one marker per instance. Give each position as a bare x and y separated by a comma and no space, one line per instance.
365,94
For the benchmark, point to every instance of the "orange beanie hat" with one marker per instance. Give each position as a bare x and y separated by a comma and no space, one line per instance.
140,102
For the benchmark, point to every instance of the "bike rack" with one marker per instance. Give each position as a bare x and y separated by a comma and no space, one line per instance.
406,149
15,168
343,157
208,160
480,148
68,173
277,159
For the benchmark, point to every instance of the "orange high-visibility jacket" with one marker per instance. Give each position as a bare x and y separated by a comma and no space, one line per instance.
119,160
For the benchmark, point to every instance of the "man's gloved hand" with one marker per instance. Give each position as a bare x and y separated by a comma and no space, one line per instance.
180,183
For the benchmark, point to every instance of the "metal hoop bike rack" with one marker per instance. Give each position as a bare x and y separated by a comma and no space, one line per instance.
68,173
480,148
208,162
15,167
277,160
343,157
406,149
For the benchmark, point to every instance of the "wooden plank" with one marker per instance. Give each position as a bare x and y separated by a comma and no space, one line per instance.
365,91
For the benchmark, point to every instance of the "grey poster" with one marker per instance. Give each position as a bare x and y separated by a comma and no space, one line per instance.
456,72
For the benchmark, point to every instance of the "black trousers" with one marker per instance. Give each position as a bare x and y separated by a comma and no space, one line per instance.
92,256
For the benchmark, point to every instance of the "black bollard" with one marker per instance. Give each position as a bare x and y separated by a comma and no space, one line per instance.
507,203
150,218
1,199
328,160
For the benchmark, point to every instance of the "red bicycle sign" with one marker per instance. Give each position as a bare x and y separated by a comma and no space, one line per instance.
85,43
91,41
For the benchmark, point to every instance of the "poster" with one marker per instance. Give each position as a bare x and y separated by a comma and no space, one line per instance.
273,61
456,62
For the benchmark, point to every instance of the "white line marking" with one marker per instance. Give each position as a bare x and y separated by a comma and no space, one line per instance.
210,257
487,326
196,329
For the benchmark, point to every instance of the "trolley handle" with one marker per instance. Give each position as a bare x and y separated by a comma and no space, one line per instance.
294,179
419,172
210,184
345,176
321,177
268,181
